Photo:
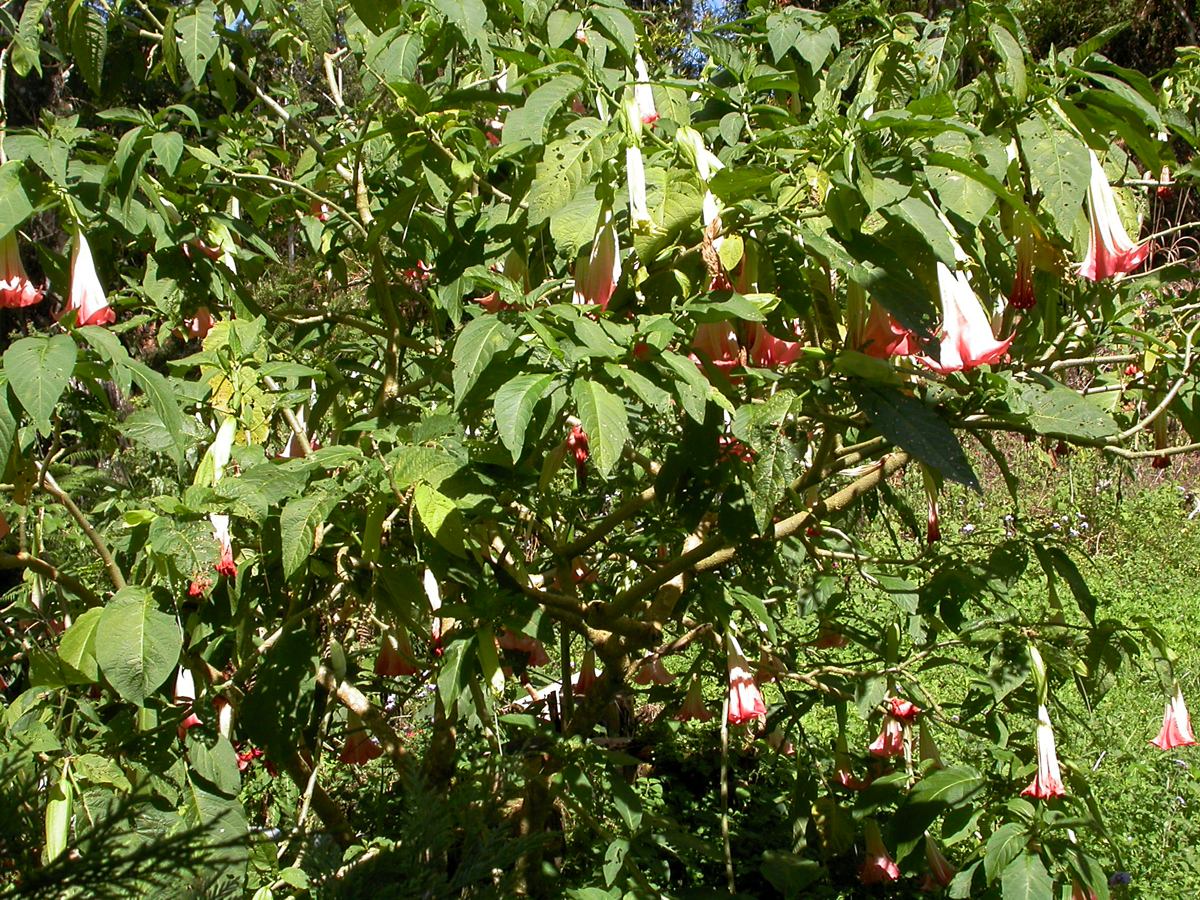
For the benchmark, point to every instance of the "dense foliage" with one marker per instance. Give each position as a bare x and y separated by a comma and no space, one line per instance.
399,364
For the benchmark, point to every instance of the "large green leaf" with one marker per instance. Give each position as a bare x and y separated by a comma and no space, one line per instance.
1053,409
77,649
298,524
137,644
38,369
1026,878
479,341
198,40
1061,169
441,517
528,123
8,422
918,428
514,408
565,166
605,421
162,400
1005,844
89,41
15,207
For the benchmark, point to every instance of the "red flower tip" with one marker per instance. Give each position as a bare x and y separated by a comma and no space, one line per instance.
1177,725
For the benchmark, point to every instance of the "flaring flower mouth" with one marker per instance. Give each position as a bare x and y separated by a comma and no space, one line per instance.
967,339
1047,783
745,700
86,296
16,290
1177,725
1110,251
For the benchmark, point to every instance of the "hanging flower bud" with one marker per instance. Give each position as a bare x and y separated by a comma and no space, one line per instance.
843,774
1047,784
878,867
745,700
693,708
577,443
643,93
86,296
933,531
640,219
927,748
1110,251
717,343
1177,725
523,643
360,747
225,565
16,290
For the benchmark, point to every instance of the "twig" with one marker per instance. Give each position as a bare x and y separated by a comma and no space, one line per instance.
48,484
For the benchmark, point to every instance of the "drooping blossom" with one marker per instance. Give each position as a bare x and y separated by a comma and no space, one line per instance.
199,325
884,337
745,700
693,708
940,869
578,444
652,671
878,867
692,145
225,565
1110,251
891,740
586,678
199,586
635,174
16,290
843,773
643,93
1079,892
830,638
770,352
730,448
1047,784
927,748
360,747
319,210
718,344
86,296
247,757
778,741
967,338
1177,725
769,668
396,657
185,686
597,274
523,643
190,721
1021,297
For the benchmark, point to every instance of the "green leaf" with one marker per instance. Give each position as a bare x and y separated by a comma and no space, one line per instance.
8,423
198,40
168,149
691,386
1060,167
616,24
27,42
1053,409
528,123
566,166
38,369
1026,878
89,41
372,13
919,429
514,408
317,22
480,340
924,220
1006,844
77,648
162,400
1013,58
452,678
137,645
298,526
217,765
469,16
441,517
281,702
604,419
58,816
15,207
